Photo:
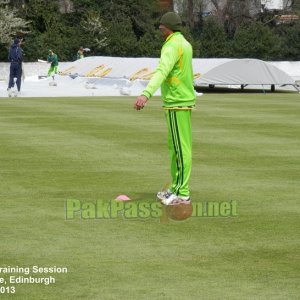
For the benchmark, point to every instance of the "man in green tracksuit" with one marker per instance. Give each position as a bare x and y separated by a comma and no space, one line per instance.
174,75
53,59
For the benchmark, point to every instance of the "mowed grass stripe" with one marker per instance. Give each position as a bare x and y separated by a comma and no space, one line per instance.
91,148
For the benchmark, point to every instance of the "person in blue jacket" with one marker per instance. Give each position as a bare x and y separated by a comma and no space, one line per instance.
15,57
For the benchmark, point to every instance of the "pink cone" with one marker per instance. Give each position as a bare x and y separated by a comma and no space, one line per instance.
122,198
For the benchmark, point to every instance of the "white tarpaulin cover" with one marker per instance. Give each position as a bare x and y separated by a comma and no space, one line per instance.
292,68
244,72
115,76
206,71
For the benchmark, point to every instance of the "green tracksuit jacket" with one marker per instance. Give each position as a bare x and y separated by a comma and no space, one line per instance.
174,73
53,59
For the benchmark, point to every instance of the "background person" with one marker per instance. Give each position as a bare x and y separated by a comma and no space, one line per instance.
80,53
15,57
53,59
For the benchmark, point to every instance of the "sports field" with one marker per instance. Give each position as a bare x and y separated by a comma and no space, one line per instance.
246,149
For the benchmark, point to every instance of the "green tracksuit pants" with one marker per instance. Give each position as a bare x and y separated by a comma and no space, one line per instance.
180,147
52,69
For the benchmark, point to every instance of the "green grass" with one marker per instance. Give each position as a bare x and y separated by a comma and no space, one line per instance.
246,148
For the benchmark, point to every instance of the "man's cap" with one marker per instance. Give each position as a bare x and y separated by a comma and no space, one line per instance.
171,20
16,41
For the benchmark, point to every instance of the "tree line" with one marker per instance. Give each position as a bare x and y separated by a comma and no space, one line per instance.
130,28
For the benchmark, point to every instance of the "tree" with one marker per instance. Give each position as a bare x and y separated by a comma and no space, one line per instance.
94,30
147,48
81,6
66,6
50,29
141,14
189,10
256,41
290,35
295,5
10,24
213,40
129,28
122,40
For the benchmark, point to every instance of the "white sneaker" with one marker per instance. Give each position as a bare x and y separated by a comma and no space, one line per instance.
164,194
9,92
16,94
174,199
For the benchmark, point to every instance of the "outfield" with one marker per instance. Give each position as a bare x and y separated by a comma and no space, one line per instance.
246,149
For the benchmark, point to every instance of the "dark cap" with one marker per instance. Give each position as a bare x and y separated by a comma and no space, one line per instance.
171,20
16,41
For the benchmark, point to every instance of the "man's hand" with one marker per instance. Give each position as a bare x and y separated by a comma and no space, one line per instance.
140,102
